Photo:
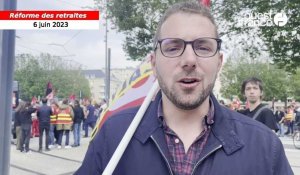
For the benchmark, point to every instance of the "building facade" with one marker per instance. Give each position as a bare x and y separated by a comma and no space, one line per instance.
96,78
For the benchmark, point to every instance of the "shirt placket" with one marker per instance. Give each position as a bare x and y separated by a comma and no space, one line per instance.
182,163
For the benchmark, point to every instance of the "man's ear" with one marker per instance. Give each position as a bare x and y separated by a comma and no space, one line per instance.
261,94
220,61
153,62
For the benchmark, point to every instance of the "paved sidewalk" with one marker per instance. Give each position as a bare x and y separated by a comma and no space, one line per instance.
62,161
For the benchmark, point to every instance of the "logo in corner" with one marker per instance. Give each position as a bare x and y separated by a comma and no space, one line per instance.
280,19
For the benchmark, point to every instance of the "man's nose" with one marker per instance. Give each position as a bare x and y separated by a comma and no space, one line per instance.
189,58
251,90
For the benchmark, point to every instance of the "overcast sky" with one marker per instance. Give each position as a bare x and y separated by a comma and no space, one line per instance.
86,47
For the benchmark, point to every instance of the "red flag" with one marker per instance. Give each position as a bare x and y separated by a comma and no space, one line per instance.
72,97
33,100
49,91
48,88
50,96
205,2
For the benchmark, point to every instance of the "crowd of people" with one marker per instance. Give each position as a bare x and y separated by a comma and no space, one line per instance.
53,121
288,120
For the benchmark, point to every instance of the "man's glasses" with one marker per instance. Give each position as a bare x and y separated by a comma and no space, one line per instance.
203,47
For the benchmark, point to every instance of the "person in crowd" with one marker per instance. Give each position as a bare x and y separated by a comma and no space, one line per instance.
83,105
53,134
293,120
279,114
17,124
235,104
90,119
288,120
222,102
185,130
97,111
26,115
297,118
43,114
35,122
252,88
78,117
99,108
297,115
103,104
64,123
13,129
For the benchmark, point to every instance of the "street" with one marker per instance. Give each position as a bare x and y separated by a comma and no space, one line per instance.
292,154
66,161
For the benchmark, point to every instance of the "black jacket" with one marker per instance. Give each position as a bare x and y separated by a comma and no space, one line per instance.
78,114
17,121
44,112
25,116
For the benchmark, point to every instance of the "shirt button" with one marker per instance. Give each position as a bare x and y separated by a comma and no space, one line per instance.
176,140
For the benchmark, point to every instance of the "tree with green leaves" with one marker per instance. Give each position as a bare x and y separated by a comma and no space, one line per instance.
33,73
295,85
281,42
138,21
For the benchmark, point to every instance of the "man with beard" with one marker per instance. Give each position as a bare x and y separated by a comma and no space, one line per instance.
185,130
253,90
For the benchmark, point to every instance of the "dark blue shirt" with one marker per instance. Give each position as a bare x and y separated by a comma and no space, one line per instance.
91,117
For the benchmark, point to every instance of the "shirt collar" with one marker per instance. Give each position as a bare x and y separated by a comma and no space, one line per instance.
208,119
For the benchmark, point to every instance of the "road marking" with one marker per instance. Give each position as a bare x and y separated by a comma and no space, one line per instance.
292,150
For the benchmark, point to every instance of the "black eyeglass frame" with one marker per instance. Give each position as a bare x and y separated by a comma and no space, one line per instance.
219,42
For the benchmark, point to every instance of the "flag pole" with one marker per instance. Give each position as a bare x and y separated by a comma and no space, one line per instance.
130,131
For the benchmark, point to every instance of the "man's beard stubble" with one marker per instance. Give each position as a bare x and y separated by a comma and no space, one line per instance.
177,101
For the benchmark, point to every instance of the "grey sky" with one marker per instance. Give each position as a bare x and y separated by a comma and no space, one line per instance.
86,47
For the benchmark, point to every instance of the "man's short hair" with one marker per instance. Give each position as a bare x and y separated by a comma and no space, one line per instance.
65,101
76,103
189,7
253,80
44,100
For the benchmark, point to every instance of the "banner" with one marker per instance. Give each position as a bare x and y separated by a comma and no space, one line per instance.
50,19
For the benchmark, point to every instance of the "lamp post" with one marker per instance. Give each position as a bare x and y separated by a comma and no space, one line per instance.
107,67
7,59
107,62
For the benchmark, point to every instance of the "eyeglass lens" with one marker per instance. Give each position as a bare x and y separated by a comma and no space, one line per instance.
203,47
